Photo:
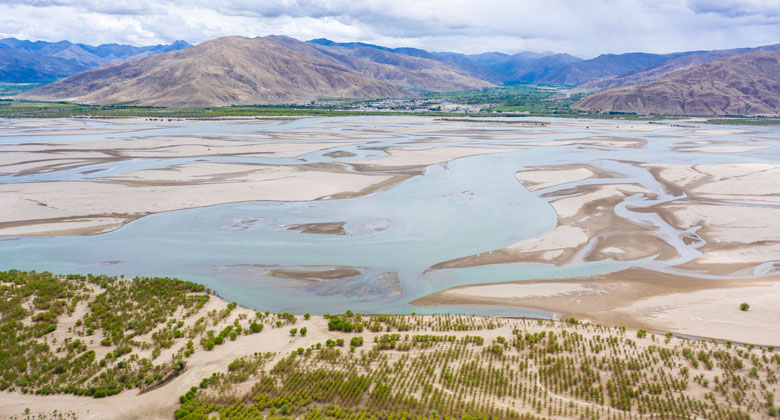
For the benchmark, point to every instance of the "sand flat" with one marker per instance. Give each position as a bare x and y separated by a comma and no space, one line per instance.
144,192
412,156
540,179
722,149
640,298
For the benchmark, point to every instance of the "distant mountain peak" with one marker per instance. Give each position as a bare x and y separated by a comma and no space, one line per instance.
321,41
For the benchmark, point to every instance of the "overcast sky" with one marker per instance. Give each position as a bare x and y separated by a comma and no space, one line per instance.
581,27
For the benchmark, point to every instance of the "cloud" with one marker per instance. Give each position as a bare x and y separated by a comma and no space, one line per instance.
583,27
114,7
737,8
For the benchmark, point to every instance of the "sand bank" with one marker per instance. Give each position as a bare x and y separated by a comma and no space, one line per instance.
736,208
24,159
640,298
586,217
416,156
94,206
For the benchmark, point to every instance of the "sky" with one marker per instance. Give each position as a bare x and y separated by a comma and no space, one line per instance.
585,28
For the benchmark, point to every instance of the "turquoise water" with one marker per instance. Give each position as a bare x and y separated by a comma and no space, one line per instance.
467,206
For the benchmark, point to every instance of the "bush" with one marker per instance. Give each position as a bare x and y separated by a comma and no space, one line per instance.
744,306
773,411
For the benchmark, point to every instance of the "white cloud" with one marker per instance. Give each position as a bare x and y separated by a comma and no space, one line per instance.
580,27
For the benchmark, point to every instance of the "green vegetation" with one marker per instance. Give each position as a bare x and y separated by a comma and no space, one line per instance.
511,99
508,101
11,89
33,109
546,370
97,335
745,121
744,306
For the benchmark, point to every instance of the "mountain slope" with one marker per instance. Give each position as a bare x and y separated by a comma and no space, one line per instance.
224,71
25,67
494,67
746,84
24,61
657,72
605,65
525,67
408,68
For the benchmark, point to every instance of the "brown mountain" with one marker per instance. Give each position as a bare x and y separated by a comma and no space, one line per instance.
654,73
746,84
403,70
224,71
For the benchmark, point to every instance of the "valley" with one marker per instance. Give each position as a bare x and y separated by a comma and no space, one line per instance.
407,210
412,214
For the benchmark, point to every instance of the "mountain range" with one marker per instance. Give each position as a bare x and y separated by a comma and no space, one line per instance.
744,84
280,69
40,61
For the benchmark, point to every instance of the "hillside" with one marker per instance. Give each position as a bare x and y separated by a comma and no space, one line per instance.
657,72
605,65
524,67
224,71
493,67
746,84
24,61
24,67
421,71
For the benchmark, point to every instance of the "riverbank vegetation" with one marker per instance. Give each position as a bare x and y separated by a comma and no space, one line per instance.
96,336
543,370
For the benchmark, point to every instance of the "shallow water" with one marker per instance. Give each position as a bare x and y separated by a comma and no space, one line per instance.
467,206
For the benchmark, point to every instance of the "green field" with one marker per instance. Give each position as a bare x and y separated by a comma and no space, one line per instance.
11,89
507,101
745,121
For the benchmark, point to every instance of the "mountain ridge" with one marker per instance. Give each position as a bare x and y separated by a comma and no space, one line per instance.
222,72
656,72
744,84
23,61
